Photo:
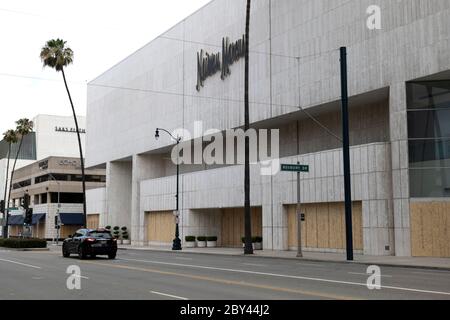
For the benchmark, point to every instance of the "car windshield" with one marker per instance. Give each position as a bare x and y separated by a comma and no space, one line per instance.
97,234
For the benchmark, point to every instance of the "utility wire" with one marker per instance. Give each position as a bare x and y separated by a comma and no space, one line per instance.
207,97
251,51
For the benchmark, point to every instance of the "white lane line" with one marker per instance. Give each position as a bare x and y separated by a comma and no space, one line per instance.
311,264
436,273
168,295
366,274
287,276
254,265
21,264
78,276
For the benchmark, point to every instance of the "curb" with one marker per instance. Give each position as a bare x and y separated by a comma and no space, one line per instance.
29,249
367,263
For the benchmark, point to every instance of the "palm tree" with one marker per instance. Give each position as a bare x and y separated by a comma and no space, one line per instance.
247,216
10,137
55,54
24,127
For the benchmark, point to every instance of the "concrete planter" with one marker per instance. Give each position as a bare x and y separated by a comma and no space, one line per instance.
126,242
211,244
190,244
257,246
201,244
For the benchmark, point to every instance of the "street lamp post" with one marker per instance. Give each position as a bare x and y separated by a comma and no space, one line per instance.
177,241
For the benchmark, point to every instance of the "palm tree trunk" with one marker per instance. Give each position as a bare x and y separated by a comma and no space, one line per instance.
5,215
248,223
83,178
14,168
12,177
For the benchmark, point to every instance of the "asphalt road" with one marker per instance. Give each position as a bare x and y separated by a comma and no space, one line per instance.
144,275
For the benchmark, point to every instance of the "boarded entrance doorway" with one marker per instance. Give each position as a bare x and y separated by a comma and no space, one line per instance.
324,226
160,227
233,226
93,221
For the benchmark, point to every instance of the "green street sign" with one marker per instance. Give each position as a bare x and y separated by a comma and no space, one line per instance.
295,168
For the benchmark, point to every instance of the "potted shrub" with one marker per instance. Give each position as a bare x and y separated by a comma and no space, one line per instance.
108,228
116,233
190,241
211,242
125,236
201,242
257,243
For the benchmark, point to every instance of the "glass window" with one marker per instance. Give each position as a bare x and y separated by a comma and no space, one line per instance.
429,153
428,95
429,124
430,183
429,138
104,235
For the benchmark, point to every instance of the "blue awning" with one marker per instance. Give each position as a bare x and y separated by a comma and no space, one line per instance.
37,218
16,220
71,219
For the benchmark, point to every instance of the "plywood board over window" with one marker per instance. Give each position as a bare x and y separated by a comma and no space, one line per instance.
93,221
233,226
324,226
160,227
430,229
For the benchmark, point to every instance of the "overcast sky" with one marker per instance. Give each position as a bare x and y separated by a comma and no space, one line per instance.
101,33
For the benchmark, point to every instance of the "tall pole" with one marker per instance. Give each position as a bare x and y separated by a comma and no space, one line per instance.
299,218
248,249
177,240
346,152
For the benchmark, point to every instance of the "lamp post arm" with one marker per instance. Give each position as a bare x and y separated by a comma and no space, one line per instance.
178,140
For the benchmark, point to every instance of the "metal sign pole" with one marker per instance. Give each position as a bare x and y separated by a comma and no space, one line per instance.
299,218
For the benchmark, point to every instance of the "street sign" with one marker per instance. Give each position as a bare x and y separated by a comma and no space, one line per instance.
295,167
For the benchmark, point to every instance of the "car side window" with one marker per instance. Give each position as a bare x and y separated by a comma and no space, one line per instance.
79,233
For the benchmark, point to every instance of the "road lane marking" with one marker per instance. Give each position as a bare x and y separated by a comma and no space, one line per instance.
311,264
78,276
228,282
436,273
21,264
254,265
366,274
168,295
289,276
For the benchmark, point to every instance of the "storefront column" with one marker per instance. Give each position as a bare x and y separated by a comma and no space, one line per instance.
144,167
400,165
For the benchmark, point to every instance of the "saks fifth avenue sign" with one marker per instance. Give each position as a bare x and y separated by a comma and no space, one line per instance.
66,129
210,64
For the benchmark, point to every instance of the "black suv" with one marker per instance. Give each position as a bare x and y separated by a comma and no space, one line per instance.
90,242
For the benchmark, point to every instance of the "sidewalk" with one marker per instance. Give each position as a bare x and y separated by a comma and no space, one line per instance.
409,262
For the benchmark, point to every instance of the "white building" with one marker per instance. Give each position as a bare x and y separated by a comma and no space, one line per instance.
51,136
399,87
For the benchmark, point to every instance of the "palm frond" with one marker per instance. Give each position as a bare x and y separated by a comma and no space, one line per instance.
56,55
24,126
10,136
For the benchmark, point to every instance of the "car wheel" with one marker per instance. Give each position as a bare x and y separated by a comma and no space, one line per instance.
112,255
65,252
81,253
